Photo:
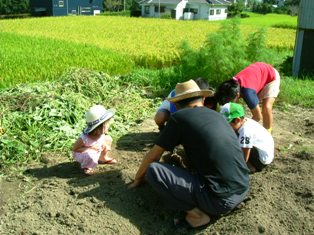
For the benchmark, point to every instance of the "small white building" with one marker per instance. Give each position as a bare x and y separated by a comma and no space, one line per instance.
186,9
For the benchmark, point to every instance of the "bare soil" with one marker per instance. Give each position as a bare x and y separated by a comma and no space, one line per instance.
54,197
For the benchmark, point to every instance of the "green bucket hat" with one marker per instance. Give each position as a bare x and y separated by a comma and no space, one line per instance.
232,110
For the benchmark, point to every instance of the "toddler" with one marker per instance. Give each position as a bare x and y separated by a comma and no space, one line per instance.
93,145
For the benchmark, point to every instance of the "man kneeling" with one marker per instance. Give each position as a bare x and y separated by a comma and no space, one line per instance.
217,179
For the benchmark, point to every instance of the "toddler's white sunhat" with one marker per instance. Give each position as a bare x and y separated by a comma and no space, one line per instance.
96,115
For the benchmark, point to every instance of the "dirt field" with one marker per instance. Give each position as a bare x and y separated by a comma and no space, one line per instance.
54,197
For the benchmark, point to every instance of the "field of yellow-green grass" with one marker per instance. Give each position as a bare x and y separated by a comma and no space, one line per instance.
43,48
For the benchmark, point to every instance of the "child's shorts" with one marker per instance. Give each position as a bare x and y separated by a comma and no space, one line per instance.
271,90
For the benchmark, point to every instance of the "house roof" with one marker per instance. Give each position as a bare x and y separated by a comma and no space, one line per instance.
219,2
214,2
175,2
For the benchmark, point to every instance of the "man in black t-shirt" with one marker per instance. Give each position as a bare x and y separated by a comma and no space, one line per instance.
217,179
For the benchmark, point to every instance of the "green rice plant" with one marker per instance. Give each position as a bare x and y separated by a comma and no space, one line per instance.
47,117
149,43
27,59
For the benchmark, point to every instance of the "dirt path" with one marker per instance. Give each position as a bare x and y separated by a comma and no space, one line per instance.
55,198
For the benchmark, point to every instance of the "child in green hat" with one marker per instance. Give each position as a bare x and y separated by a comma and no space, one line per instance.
256,142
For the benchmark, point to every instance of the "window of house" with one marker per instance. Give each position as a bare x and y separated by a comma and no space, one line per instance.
211,12
61,3
193,10
226,11
146,10
162,9
218,11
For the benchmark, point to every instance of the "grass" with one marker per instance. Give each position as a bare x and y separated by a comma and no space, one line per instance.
270,20
297,91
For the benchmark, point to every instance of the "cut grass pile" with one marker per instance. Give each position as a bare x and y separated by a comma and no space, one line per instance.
46,118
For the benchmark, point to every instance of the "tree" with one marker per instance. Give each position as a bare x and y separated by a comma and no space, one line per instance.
8,7
271,2
135,8
292,2
114,5
262,8
235,9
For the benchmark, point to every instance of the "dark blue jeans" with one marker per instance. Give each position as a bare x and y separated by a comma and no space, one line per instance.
182,190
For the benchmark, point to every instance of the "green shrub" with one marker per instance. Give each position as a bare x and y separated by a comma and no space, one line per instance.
285,26
223,54
116,13
165,16
244,15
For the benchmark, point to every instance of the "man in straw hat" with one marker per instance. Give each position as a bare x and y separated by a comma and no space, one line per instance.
217,179
167,108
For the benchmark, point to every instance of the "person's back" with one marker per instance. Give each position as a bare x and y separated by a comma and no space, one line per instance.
252,134
211,148
256,76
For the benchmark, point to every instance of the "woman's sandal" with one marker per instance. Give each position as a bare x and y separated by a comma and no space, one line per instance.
108,161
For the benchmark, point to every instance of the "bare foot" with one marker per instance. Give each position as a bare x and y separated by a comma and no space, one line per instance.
197,218
88,171
107,160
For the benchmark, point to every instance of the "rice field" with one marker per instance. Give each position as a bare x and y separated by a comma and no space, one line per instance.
43,48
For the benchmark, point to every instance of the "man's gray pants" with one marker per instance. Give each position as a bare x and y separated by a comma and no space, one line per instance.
182,190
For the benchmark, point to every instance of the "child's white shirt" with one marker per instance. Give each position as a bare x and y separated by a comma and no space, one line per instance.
252,134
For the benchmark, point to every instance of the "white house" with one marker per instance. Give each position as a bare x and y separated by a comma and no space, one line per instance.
186,9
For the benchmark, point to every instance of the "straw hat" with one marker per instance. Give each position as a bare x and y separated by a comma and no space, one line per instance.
187,90
96,115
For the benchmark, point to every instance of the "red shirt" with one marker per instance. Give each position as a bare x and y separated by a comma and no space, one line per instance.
252,80
256,76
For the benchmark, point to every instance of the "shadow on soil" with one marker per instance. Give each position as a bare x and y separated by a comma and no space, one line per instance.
140,206
137,141
62,170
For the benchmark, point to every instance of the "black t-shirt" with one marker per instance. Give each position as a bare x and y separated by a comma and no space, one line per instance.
211,147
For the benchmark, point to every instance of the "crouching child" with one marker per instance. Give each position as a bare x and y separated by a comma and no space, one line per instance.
256,142
93,145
